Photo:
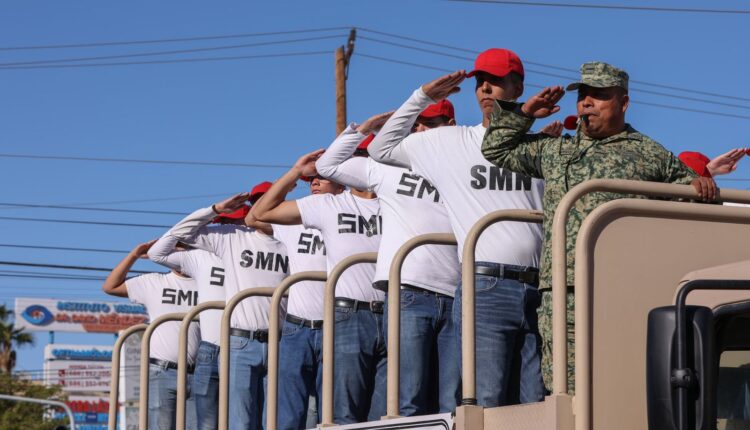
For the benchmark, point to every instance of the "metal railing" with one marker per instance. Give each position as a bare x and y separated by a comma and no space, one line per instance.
145,353
329,319
394,313
274,333
226,319
182,352
468,320
114,387
43,402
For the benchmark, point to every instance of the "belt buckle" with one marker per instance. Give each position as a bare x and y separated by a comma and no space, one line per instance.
376,306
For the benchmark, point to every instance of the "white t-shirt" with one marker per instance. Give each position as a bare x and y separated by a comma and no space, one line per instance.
345,221
164,293
307,252
471,187
208,272
411,206
251,259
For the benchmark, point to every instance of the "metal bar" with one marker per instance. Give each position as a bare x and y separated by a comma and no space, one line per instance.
44,402
329,319
114,385
274,331
468,340
560,258
182,352
394,314
226,319
584,287
145,353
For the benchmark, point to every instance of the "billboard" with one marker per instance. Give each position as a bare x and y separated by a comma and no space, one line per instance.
76,316
90,412
78,368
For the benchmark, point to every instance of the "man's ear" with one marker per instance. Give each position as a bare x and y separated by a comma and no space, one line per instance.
625,102
451,121
518,87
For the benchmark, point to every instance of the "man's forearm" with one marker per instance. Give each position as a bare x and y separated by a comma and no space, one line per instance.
507,144
118,275
162,252
337,165
274,197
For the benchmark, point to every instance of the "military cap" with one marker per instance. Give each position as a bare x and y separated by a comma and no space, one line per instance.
600,75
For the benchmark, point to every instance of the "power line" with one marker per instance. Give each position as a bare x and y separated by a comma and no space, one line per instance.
80,208
131,160
610,7
186,60
62,248
64,266
551,66
391,60
35,272
69,221
172,52
170,40
159,199
59,278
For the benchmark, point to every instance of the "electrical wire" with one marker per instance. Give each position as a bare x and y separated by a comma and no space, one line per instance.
141,161
80,208
63,248
601,6
70,221
172,52
65,266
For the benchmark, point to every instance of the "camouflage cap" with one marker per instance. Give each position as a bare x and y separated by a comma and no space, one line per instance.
600,75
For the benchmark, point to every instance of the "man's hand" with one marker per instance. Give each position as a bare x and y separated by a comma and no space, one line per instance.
444,86
706,188
553,129
374,123
544,103
305,166
726,163
141,251
231,204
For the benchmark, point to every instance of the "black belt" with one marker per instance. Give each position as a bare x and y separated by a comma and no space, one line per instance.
528,276
409,287
374,307
168,364
313,324
259,335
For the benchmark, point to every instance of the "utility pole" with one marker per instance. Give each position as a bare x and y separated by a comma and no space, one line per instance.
343,55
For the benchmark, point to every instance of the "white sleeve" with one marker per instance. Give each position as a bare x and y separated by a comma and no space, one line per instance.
162,252
386,148
311,210
192,230
337,165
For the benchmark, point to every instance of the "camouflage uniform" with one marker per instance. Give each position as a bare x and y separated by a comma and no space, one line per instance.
566,161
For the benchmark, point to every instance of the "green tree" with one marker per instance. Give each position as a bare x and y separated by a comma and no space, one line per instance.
28,416
10,339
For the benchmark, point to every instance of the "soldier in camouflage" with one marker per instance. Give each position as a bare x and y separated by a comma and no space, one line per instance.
604,147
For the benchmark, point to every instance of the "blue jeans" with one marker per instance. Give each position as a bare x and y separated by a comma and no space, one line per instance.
248,368
162,399
508,345
360,367
429,377
206,386
300,374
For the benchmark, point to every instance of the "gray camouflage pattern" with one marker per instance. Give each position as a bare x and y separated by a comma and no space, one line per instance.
601,75
545,330
566,161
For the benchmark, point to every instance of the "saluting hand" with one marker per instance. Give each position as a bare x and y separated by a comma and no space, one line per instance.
444,86
544,103
306,163
553,129
141,250
727,162
374,123
231,204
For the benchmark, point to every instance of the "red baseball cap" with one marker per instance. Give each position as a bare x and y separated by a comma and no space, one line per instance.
441,108
498,62
240,213
696,161
259,190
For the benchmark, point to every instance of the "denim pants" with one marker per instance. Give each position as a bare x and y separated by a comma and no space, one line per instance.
248,369
429,377
300,374
508,345
162,399
206,386
360,367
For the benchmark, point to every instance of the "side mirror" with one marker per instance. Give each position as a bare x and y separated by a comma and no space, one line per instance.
664,380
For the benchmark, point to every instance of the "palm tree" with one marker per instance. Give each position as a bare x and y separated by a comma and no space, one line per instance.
10,337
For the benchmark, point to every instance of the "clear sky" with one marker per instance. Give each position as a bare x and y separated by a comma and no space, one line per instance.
272,109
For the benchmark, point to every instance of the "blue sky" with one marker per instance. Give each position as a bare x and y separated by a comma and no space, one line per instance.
271,110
